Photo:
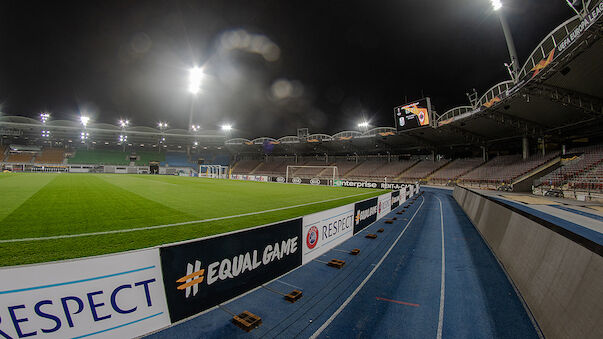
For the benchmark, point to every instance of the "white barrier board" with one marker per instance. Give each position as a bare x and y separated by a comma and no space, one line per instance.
384,205
119,296
324,230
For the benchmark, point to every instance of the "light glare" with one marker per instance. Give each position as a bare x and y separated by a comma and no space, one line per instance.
195,78
226,127
84,120
496,4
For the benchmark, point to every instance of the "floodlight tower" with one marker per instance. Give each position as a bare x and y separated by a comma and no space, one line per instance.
84,134
196,129
514,66
194,87
123,137
44,118
227,128
162,126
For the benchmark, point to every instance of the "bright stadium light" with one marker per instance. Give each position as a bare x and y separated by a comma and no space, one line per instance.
194,80
496,4
363,124
196,128
44,117
123,123
227,127
84,120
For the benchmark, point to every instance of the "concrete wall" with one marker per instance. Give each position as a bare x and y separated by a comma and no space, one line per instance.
560,279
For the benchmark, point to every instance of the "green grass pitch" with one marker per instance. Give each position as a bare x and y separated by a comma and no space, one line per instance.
36,205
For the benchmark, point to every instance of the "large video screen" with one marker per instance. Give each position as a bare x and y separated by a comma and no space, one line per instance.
412,115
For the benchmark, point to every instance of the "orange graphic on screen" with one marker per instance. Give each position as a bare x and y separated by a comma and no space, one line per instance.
421,113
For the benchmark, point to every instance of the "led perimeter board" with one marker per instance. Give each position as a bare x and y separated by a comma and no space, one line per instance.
413,114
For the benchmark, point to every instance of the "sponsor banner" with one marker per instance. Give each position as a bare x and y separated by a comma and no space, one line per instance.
296,180
384,205
280,179
251,177
315,181
201,274
120,296
324,230
365,213
368,184
395,199
585,24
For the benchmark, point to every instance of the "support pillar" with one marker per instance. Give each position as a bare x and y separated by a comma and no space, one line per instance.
484,153
563,149
525,147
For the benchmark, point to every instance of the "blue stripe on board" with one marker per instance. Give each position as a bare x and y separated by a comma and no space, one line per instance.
76,281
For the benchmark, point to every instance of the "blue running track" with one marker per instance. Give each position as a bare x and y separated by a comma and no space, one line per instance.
397,287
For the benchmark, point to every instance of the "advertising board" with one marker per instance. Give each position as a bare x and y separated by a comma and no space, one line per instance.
201,274
117,295
365,213
324,230
395,199
384,205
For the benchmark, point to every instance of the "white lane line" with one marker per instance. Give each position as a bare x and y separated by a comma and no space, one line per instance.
175,224
347,301
443,283
282,282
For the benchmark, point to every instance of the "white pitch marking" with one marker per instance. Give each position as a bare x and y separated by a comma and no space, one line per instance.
175,224
443,283
347,301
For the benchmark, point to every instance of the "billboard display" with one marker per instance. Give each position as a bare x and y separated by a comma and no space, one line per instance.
201,274
365,213
117,295
384,205
413,114
395,199
323,231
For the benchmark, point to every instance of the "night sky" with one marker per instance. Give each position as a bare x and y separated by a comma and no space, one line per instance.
271,66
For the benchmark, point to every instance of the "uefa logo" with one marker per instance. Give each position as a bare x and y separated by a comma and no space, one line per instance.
315,181
296,180
312,237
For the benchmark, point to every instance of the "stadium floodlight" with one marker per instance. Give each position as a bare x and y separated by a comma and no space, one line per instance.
44,117
195,78
162,125
364,124
496,4
227,127
123,123
196,128
84,120
45,133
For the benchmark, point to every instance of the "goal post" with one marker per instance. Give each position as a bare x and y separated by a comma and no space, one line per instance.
213,171
296,173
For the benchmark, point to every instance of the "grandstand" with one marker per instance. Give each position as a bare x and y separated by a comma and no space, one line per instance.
505,168
581,169
99,157
51,156
20,157
144,157
455,169
422,170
